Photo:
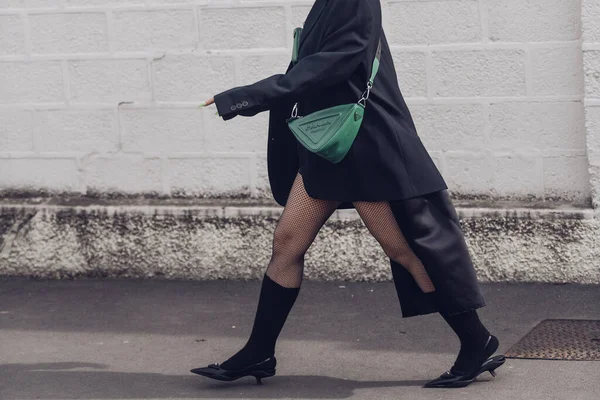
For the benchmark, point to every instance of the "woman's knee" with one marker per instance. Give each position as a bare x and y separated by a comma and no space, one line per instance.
286,241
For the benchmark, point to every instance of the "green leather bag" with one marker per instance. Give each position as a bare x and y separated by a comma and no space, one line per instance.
331,132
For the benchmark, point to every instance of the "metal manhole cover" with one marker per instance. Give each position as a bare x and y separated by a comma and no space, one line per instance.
560,339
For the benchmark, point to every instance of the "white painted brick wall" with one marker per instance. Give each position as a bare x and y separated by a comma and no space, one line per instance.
192,78
225,174
557,71
12,34
25,82
16,130
533,20
490,72
29,4
123,173
83,32
517,126
109,81
86,131
463,126
41,173
155,29
242,28
166,130
591,72
433,22
101,95
411,68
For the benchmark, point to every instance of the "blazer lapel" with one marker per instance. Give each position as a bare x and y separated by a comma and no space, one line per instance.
313,17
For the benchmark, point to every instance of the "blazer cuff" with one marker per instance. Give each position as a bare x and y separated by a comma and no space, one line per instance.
232,102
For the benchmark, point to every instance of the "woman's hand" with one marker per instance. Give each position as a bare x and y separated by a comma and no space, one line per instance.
208,102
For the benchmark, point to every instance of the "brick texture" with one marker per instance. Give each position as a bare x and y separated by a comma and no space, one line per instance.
429,22
164,130
591,73
533,20
110,81
123,173
69,33
33,4
12,35
158,29
31,174
241,28
16,130
489,72
75,130
102,95
31,82
537,126
190,78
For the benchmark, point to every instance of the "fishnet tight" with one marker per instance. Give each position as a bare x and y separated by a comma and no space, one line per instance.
304,216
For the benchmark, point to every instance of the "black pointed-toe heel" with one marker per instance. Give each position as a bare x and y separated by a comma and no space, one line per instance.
264,369
452,379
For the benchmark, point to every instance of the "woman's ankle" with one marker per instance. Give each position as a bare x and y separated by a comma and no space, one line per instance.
247,356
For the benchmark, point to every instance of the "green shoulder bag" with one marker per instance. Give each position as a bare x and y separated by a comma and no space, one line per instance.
331,132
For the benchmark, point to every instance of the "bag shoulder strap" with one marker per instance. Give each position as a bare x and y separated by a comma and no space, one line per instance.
374,70
296,48
376,63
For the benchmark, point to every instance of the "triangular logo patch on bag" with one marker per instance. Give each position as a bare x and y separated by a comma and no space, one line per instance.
357,116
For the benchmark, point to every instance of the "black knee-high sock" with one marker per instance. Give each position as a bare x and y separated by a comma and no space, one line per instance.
473,339
274,305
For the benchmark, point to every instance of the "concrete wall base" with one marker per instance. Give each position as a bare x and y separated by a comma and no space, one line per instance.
234,242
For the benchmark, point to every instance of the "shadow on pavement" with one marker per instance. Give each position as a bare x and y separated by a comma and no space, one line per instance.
70,381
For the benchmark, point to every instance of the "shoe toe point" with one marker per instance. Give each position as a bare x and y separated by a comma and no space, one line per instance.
200,371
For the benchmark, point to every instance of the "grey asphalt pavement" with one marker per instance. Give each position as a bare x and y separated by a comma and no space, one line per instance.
94,339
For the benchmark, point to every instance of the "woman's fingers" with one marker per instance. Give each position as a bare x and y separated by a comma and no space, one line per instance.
208,103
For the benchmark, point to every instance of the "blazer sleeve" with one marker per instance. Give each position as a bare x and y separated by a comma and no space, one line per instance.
349,29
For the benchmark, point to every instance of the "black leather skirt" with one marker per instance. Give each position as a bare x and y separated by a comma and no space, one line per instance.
431,226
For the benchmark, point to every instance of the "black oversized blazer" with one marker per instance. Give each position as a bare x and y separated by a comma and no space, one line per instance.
387,161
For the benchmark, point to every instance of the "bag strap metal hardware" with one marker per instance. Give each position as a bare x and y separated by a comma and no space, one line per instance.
365,96
295,112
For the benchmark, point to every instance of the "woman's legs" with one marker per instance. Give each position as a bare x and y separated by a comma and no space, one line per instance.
380,220
298,226
476,344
